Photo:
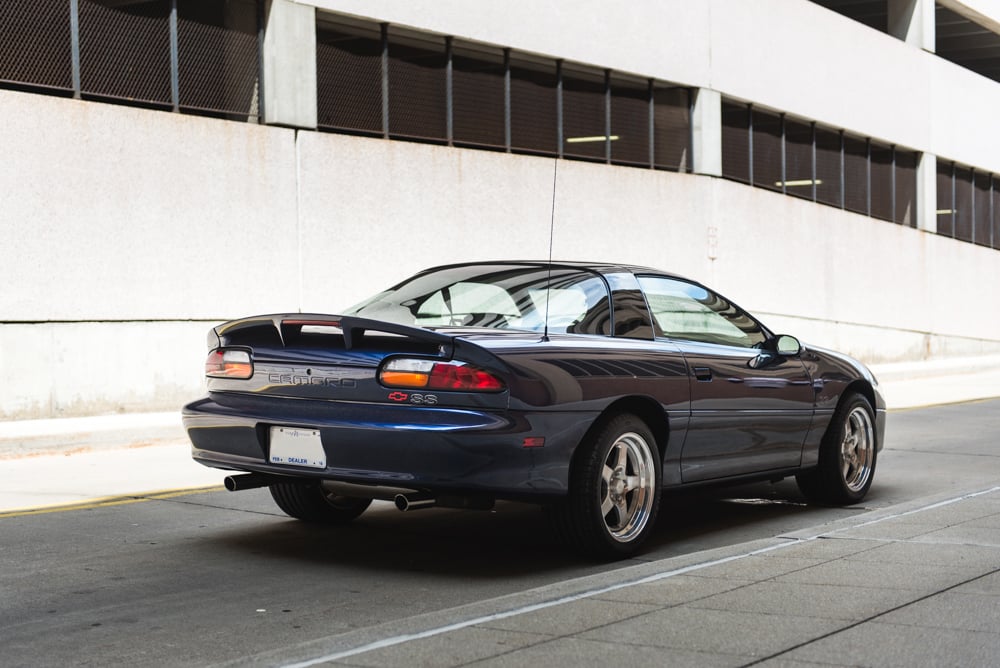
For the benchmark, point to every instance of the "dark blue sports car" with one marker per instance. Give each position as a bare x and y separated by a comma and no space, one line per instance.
586,388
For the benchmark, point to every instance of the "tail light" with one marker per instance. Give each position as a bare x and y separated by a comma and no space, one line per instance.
436,375
228,363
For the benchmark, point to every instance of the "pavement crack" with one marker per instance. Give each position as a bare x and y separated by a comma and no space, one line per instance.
868,619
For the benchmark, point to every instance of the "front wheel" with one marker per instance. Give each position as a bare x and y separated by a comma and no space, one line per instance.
313,503
614,493
846,456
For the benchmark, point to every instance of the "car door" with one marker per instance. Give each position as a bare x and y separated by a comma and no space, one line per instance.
750,408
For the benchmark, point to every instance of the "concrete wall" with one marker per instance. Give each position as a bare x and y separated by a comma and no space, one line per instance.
90,368
118,213
127,233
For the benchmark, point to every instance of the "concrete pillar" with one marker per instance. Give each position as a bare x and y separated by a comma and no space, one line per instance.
927,193
913,22
290,64
706,132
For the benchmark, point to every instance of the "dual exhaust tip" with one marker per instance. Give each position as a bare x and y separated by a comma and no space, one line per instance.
404,502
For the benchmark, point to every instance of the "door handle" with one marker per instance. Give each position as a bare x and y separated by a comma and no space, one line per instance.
702,373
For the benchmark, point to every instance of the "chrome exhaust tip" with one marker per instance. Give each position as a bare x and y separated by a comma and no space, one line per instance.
414,501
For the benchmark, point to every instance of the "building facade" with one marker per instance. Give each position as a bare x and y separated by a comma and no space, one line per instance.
832,166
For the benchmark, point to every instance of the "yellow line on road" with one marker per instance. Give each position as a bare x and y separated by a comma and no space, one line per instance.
106,501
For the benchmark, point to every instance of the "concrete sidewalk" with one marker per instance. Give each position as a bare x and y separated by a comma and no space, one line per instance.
912,585
936,382
51,463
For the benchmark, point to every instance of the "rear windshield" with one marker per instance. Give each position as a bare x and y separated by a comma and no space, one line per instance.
498,297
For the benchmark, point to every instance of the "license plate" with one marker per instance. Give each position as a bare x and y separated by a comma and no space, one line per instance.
291,446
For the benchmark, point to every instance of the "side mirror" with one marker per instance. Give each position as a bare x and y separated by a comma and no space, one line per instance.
774,350
787,346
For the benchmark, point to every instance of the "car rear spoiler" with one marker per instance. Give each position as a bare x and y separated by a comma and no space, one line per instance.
282,327
353,328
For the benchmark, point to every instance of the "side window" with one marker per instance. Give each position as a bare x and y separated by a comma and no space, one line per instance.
684,310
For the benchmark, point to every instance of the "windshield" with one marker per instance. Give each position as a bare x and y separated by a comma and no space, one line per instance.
496,296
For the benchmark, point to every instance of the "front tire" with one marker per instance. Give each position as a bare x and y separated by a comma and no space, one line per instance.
614,492
312,503
847,456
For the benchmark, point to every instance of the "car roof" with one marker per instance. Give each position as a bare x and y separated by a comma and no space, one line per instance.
599,267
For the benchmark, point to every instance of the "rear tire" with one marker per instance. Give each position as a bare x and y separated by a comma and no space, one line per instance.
847,456
614,491
312,503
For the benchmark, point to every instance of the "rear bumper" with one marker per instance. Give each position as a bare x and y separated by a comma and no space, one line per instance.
423,448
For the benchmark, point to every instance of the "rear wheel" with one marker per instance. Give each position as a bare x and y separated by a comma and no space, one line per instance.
614,492
846,456
312,503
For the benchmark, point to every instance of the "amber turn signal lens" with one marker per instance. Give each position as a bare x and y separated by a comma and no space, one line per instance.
404,378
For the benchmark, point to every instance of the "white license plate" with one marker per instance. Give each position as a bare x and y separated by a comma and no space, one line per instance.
291,446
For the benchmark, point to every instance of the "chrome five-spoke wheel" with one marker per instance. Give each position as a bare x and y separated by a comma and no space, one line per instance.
857,451
627,492
614,490
847,455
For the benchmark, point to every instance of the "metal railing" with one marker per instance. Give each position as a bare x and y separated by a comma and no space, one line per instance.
199,56
380,80
796,157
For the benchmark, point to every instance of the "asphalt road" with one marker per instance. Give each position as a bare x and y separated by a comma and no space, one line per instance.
217,577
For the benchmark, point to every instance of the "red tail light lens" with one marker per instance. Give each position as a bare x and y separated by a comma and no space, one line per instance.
463,377
223,363
434,375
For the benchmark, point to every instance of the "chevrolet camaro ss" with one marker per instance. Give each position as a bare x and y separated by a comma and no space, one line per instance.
585,388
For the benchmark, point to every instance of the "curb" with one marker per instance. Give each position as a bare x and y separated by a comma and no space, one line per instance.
26,438
952,366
